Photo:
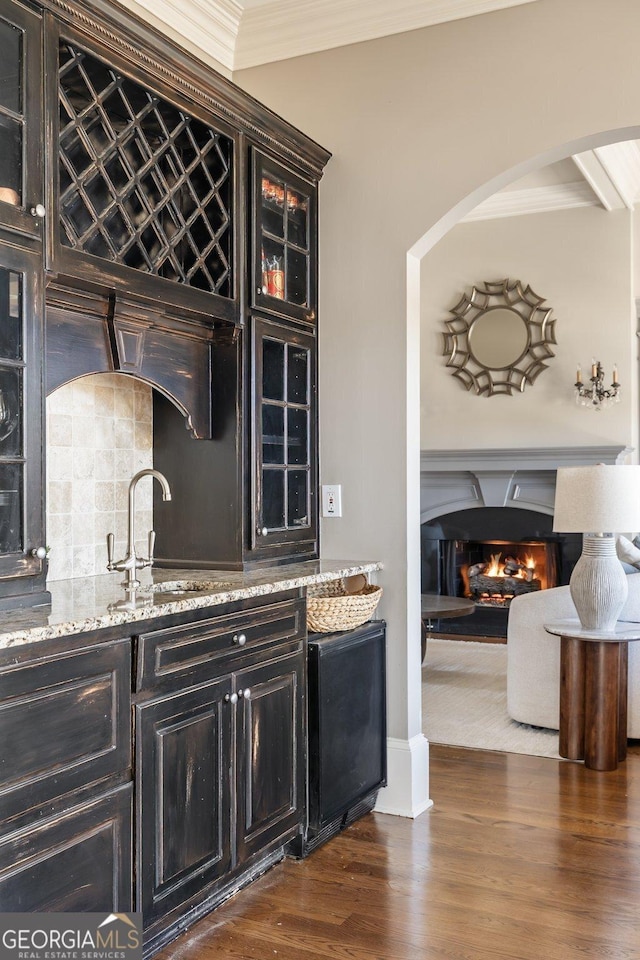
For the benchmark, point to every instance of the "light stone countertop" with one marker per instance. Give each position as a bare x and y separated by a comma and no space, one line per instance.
81,605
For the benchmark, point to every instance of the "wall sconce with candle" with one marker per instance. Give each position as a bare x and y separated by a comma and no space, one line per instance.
594,394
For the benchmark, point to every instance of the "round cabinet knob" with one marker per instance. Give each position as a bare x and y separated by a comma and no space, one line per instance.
39,552
263,531
240,639
246,693
231,698
262,289
38,211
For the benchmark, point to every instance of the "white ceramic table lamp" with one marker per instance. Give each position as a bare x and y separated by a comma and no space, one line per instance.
598,501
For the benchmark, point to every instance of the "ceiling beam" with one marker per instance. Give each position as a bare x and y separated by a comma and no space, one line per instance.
621,161
515,203
607,188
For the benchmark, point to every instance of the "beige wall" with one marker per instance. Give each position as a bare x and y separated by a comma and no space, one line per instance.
419,124
580,261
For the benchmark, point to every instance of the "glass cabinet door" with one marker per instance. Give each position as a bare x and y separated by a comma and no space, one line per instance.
21,509
21,136
284,396
12,460
285,241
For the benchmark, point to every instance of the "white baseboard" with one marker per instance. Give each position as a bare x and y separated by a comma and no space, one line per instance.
407,793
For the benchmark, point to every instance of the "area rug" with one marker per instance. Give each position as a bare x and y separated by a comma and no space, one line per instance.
464,700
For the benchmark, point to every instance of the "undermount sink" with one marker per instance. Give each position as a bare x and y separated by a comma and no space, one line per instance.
182,589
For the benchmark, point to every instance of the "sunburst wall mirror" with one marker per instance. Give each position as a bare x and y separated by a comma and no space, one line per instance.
499,337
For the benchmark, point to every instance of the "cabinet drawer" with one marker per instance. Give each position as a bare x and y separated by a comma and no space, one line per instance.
194,651
78,862
65,723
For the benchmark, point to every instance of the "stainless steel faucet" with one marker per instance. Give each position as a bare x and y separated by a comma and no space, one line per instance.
131,562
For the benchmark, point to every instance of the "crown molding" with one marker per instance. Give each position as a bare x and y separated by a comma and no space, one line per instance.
290,28
207,28
222,33
515,203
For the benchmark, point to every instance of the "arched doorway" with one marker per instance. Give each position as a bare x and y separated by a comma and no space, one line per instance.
426,243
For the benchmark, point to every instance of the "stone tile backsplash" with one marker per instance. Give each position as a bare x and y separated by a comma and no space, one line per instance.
99,433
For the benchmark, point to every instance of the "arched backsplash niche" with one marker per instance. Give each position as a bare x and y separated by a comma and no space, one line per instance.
99,433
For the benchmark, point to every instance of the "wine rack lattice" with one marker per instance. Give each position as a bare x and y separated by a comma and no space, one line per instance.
142,183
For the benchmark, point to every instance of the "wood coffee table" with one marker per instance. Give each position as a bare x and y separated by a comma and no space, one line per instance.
435,607
593,692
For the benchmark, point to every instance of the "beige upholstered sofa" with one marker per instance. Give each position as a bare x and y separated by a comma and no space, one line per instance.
533,656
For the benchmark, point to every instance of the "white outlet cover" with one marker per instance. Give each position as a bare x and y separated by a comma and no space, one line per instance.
331,500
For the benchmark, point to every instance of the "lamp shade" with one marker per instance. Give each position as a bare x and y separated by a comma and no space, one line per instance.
597,499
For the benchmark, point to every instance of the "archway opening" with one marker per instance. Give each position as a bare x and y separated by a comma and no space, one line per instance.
416,294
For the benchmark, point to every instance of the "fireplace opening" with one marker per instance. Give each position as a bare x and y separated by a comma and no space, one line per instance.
493,572
491,555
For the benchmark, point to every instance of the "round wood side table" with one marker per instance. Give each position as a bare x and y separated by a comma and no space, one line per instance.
593,692
435,607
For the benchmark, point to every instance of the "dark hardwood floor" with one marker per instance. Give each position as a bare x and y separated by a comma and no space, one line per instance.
520,858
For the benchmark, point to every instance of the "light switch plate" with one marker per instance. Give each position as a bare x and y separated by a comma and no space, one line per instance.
331,499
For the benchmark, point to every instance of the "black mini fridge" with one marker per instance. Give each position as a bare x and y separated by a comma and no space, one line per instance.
347,728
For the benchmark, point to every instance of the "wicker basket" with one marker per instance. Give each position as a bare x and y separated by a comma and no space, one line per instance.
330,607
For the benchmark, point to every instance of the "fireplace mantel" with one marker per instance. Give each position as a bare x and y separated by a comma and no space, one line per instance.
524,478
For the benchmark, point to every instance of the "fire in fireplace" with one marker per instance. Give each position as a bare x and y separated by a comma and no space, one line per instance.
497,571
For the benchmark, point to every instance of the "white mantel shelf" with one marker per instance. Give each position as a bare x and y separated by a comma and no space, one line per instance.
525,478
525,458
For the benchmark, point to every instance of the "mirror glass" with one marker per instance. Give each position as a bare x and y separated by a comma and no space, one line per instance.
498,338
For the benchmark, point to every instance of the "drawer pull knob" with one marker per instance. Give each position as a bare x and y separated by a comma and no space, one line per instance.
246,693
240,639
38,211
231,698
39,552
263,531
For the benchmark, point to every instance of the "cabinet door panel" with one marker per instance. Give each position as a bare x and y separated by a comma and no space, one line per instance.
298,498
20,117
269,753
11,507
187,798
273,434
65,722
183,782
285,442
79,862
22,574
296,290
273,499
273,370
11,51
284,240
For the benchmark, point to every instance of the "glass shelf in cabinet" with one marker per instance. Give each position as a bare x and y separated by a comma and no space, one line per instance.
287,243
